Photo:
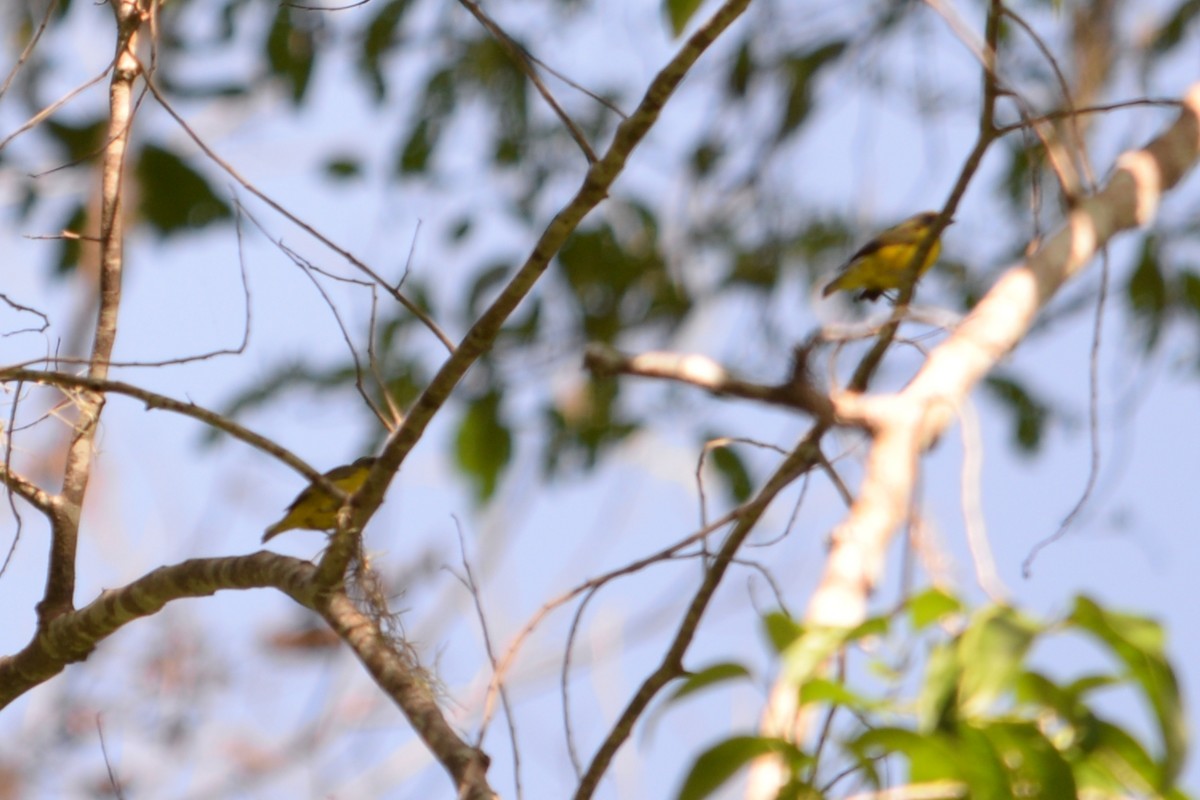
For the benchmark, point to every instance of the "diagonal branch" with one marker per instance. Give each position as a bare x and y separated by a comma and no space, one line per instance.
353,260
412,690
525,63
26,489
803,458
596,184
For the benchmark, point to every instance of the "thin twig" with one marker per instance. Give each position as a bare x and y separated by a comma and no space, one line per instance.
27,51
153,401
412,307
468,580
518,55
973,517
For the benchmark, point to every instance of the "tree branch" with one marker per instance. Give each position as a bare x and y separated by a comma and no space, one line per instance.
153,401
72,635
804,457
59,594
596,183
412,690
705,373
906,424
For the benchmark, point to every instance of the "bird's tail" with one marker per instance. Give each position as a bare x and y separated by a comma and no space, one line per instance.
832,286
274,531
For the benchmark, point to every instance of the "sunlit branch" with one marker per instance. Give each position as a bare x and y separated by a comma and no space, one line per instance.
705,373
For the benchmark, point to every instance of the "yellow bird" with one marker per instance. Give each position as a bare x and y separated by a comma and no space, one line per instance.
314,509
880,264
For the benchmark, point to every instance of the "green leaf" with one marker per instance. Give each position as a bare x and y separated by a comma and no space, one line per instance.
377,40
343,168
709,676
1117,764
414,156
757,268
732,469
781,630
741,71
801,71
291,49
70,250
824,690
705,156
173,197
931,606
1029,413
1171,33
716,765
1146,293
990,653
81,142
804,657
484,445
485,288
583,424
980,764
936,700
1139,643
1036,767
619,283
679,12
932,756
1189,290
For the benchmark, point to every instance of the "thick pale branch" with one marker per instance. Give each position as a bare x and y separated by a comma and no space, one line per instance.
996,325
904,425
71,637
907,423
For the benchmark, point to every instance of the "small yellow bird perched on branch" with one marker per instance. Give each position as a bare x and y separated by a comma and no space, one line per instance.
880,264
315,509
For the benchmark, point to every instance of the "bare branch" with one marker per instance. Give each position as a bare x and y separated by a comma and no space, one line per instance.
707,374
60,574
400,297
27,51
26,489
153,400
411,690
600,176
525,63
798,462
71,636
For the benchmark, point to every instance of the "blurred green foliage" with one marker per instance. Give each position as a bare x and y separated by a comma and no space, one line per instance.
982,720
640,271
